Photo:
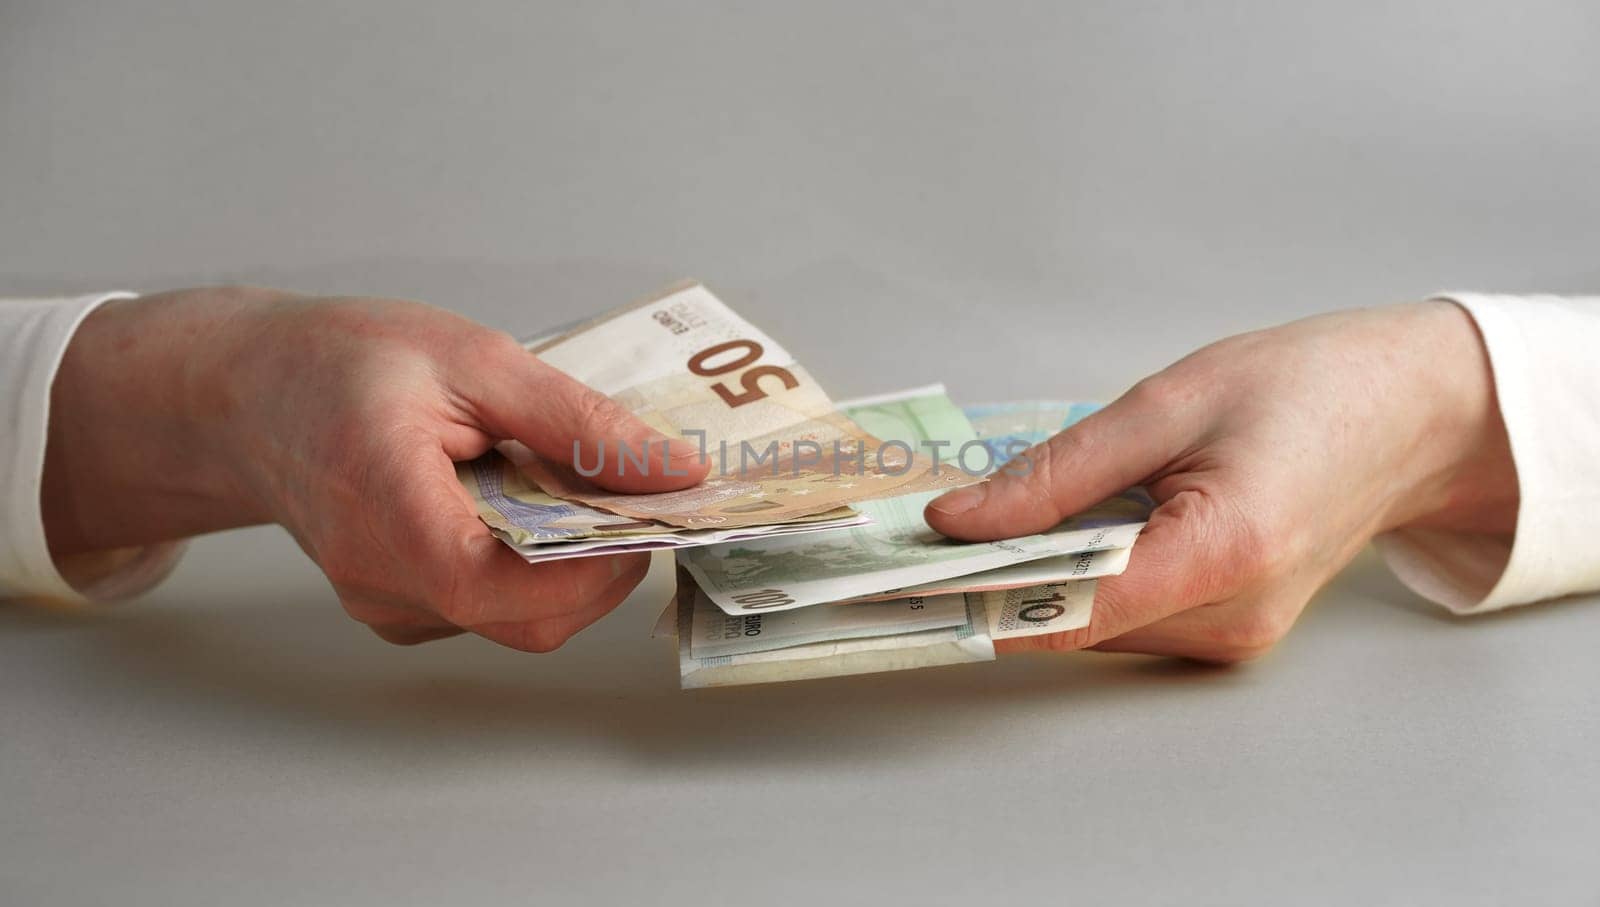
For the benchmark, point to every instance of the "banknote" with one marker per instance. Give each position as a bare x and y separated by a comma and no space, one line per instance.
1085,565
1037,610
542,527
678,538
715,632
718,649
690,367
776,574
898,550
1009,428
966,642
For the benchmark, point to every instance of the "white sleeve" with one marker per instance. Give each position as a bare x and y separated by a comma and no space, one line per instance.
1545,353
33,336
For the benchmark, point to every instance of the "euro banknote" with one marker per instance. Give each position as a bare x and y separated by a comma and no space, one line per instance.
968,641
717,649
690,367
1005,428
897,551
1064,568
542,527
1008,428
714,632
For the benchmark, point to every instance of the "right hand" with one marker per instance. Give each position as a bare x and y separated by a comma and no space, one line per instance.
1274,457
341,420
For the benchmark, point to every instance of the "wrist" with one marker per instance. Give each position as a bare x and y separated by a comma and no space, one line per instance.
138,445
1467,481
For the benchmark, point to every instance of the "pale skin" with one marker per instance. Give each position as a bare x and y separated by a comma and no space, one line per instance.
198,410
1275,456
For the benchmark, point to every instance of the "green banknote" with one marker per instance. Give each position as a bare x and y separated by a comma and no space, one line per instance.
899,549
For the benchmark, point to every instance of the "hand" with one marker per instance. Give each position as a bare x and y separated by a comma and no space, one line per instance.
339,419
1274,457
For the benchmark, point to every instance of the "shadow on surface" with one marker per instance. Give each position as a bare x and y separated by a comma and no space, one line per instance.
303,670
296,668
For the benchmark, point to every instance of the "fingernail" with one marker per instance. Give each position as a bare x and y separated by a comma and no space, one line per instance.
961,500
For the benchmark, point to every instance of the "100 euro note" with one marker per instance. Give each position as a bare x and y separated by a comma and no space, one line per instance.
898,552
690,367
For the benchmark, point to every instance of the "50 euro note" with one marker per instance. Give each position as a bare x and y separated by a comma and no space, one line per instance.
716,649
541,527
689,366
897,553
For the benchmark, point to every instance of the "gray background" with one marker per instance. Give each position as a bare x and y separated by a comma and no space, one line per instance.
1018,200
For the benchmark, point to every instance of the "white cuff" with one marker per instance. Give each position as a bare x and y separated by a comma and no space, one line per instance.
34,334
1545,353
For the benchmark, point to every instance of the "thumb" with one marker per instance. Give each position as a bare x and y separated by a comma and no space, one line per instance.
563,420
1108,452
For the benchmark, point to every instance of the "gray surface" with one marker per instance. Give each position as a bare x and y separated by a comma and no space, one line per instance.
1042,200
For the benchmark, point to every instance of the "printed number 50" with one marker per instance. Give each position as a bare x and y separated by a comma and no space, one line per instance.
750,381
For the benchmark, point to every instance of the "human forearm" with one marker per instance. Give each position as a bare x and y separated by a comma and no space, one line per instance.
140,412
1545,372
340,419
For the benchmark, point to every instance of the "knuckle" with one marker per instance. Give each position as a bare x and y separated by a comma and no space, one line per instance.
450,592
342,574
562,590
1235,546
597,416
457,607
395,625
1253,634
1231,655
1047,463
1121,606
363,609
1068,641
581,585
1159,393
1257,549
398,636
1042,471
486,345
539,637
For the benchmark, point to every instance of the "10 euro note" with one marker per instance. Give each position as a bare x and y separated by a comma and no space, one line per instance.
718,649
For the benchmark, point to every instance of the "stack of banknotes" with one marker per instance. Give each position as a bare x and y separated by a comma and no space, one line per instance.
804,553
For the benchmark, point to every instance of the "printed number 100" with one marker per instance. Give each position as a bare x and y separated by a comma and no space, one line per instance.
761,599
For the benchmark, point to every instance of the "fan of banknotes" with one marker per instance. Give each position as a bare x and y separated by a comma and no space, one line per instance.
804,553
